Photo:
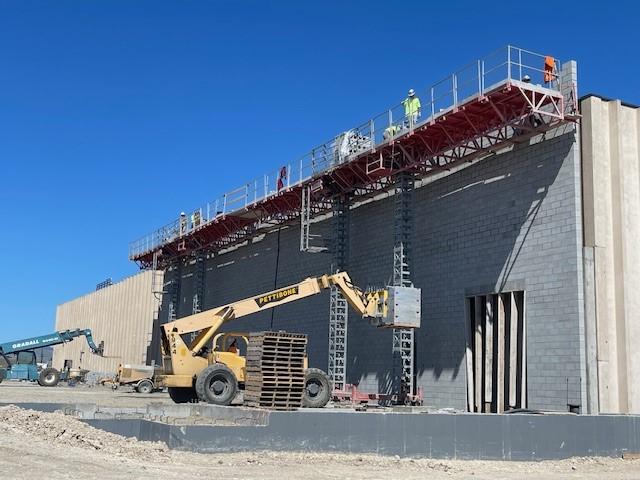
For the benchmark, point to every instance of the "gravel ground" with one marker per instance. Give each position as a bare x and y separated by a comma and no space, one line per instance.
23,392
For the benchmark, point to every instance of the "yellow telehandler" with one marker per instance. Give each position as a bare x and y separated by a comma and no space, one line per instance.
199,365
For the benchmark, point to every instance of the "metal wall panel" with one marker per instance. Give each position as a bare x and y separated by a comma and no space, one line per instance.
122,315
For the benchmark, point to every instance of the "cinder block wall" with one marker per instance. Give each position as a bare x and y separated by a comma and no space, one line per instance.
509,222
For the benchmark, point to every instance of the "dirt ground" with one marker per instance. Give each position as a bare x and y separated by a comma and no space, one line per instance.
54,446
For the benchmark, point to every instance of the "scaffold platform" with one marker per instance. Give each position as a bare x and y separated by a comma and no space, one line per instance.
504,98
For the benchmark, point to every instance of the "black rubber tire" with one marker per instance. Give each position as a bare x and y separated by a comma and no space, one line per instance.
145,386
49,377
182,394
217,384
317,388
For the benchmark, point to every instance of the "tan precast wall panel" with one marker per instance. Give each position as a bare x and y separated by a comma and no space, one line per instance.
122,315
611,195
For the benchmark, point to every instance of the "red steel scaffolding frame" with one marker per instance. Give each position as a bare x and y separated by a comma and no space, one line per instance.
502,99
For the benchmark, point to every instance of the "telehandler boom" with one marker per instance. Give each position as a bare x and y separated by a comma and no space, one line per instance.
194,372
25,367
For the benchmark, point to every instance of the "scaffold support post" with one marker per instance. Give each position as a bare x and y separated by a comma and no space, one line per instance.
338,308
403,338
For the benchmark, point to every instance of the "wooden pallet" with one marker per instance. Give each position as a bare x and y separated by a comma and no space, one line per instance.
275,370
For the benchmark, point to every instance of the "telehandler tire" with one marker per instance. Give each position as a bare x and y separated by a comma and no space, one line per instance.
317,388
49,377
217,384
144,386
182,395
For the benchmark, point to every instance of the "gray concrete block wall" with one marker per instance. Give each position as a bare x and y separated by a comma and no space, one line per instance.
505,223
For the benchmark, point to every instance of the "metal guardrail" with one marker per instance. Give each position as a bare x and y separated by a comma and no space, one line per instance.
473,80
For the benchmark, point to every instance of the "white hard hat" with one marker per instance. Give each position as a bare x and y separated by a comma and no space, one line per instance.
411,92
526,78
182,214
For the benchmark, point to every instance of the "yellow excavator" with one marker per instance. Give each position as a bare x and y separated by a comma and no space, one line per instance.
199,365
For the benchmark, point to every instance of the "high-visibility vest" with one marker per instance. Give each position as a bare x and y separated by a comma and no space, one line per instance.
411,105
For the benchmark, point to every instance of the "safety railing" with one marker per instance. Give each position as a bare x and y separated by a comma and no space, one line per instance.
471,81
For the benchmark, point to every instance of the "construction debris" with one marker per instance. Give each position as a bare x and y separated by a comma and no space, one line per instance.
60,429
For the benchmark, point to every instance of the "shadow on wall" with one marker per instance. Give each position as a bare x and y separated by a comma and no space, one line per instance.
269,263
473,233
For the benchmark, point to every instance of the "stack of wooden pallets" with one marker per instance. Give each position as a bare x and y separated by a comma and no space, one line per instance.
275,370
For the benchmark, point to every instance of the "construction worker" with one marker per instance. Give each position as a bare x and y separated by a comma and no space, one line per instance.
233,348
412,108
195,219
183,223
390,132
532,121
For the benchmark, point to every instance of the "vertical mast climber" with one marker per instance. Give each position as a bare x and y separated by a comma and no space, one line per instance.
403,338
469,115
338,307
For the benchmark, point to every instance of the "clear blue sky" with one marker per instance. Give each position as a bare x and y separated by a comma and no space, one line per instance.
114,116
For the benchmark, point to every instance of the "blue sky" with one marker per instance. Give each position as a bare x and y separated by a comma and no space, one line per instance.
114,116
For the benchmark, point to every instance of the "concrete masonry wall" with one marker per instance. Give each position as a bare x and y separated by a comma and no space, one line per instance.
611,168
509,222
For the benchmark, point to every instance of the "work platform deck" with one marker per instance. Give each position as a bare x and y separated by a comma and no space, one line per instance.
499,100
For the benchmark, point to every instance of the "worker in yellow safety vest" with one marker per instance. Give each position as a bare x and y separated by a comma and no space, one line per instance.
390,132
195,219
412,108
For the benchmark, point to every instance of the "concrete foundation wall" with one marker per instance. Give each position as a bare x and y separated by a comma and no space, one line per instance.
611,170
215,429
462,437
511,222
121,315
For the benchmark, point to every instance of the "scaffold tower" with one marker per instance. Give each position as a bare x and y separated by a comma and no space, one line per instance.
403,338
173,288
199,282
494,103
338,307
